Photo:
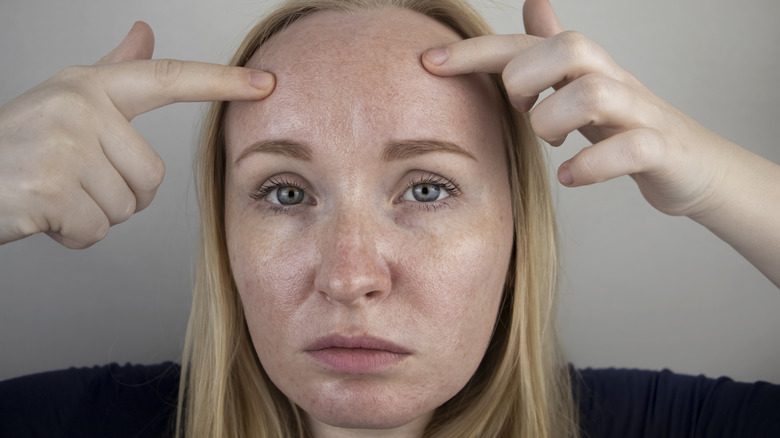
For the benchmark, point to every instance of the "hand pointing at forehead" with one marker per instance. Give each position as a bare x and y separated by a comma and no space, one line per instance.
634,132
71,165
681,167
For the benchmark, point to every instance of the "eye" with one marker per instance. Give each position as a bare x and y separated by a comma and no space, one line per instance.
430,188
286,195
283,193
425,192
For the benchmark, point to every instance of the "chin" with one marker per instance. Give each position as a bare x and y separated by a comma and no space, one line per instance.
367,411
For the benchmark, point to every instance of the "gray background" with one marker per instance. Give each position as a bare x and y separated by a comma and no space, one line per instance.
639,289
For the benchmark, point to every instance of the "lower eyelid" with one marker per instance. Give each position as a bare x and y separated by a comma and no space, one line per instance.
430,207
279,209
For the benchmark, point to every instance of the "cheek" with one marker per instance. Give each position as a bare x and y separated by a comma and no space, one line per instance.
272,270
457,275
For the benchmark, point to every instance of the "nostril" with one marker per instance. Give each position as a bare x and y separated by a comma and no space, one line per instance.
371,294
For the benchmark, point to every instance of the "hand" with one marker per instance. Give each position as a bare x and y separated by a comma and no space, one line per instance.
71,165
680,167
676,162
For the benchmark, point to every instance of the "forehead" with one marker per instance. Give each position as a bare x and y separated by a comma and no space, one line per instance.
350,73
373,44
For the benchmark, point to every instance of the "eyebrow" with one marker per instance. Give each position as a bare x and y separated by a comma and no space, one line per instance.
403,150
292,149
394,150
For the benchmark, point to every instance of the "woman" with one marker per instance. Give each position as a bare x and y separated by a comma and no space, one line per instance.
398,121
356,267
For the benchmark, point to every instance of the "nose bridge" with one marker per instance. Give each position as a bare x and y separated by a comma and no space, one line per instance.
352,269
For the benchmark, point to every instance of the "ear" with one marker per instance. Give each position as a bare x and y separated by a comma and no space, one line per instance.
138,44
540,20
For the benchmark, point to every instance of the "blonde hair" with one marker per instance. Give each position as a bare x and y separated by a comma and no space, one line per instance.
521,388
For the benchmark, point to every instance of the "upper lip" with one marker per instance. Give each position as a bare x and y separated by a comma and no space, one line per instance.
364,342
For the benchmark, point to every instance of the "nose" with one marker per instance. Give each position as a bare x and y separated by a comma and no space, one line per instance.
352,271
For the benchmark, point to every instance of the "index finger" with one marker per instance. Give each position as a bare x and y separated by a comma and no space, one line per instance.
136,87
483,54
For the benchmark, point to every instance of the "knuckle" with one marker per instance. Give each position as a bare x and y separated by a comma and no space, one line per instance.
642,151
85,237
77,242
100,229
230,75
575,45
587,166
76,73
69,102
126,210
27,226
155,173
47,191
538,119
167,71
521,41
512,77
468,52
593,92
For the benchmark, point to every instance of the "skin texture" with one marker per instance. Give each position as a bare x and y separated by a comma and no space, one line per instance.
360,256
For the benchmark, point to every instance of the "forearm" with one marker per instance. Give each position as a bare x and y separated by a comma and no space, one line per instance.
747,212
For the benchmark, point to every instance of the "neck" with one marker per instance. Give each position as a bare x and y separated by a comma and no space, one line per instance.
413,429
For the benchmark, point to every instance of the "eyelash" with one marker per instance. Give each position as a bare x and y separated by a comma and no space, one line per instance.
449,185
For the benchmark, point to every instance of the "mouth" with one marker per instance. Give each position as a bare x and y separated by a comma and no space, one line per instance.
356,355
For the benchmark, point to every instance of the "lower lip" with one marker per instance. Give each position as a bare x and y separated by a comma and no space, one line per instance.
356,360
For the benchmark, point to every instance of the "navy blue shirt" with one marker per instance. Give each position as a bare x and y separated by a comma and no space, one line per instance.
108,401
140,401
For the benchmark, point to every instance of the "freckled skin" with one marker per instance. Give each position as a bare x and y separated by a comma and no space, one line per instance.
356,259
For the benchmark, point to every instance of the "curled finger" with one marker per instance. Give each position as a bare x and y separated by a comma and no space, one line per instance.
553,63
109,191
593,100
77,222
134,159
626,153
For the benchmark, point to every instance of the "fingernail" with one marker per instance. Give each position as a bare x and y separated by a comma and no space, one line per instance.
260,79
564,175
437,56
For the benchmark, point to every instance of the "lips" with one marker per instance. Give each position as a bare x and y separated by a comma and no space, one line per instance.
356,355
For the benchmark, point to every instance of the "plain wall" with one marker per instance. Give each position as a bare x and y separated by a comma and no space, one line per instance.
638,288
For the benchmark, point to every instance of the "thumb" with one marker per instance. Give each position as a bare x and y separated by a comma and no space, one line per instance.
138,44
539,19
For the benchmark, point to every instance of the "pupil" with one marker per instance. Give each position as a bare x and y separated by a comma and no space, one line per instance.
426,192
289,195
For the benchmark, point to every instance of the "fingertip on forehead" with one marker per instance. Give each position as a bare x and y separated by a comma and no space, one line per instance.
331,48
331,64
386,40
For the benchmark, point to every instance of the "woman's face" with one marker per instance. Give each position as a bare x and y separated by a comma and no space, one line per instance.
368,218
